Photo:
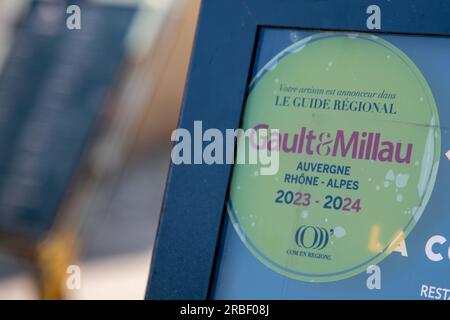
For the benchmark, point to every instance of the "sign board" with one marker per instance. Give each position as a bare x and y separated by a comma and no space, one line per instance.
351,101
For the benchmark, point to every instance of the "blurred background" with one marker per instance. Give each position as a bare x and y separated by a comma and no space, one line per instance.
85,122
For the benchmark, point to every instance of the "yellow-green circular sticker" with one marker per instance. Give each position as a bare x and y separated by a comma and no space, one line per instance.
358,145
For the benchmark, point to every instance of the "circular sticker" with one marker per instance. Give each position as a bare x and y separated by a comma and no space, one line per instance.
358,147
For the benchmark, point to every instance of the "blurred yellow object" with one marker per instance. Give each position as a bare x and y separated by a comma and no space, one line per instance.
54,256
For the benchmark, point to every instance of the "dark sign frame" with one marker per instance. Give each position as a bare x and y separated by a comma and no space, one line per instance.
188,239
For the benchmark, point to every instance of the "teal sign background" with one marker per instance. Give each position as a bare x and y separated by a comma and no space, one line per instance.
242,275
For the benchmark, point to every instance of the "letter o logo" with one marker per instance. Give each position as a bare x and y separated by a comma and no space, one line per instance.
311,237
